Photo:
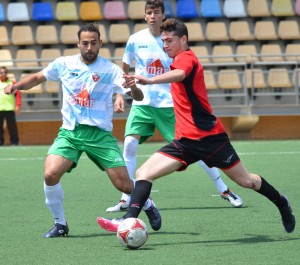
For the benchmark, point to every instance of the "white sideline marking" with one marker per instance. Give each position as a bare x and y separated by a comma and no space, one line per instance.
84,157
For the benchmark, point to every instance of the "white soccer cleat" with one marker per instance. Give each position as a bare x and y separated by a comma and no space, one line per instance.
235,200
121,206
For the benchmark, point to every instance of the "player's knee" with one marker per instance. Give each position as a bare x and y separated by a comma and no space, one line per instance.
142,174
124,185
251,182
50,178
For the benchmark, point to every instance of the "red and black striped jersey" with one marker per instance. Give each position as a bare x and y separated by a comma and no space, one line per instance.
194,117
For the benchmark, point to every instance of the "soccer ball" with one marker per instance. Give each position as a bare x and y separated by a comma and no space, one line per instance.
132,233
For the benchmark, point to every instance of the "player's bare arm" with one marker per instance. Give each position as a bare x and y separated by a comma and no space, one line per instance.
125,68
119,104
26,83
136,93
119,101
176,75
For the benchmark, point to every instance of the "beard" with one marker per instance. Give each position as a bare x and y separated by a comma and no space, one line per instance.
89,57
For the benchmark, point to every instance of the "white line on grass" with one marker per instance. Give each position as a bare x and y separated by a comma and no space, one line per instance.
84,157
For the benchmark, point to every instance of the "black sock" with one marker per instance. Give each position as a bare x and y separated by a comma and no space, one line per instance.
271,193
139,196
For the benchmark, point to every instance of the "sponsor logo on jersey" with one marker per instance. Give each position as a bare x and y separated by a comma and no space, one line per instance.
156,68
82,99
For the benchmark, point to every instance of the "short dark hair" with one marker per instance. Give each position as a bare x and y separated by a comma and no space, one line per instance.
92,27
3,68
155,4
176,26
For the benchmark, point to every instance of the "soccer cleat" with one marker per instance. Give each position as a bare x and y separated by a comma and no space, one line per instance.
122,205
287,215
154,217
235,200
57,230
110,225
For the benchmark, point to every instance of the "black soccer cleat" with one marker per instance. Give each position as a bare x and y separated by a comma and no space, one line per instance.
287,215
57,230
154,217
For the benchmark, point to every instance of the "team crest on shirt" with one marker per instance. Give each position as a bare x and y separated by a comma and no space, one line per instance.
95,77
155,67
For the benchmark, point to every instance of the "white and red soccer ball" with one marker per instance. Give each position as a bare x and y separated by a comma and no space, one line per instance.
132,233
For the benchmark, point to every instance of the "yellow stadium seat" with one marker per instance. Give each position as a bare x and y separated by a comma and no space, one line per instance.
90,11
282,8
66,11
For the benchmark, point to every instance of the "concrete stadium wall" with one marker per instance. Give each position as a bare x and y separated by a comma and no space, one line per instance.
267,128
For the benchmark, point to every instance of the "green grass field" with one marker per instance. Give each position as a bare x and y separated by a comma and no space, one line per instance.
198,227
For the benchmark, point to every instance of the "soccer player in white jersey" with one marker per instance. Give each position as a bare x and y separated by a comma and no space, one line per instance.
88,84
156,109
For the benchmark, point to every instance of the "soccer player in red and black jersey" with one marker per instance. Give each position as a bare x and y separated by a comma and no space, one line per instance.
199,134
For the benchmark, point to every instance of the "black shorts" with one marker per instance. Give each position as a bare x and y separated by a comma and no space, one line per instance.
214,151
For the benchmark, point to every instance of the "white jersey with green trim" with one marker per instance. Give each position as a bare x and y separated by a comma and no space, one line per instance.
87,90
150,60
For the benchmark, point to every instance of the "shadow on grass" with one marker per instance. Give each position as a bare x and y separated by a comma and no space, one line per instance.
249,239
105,234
